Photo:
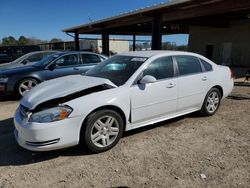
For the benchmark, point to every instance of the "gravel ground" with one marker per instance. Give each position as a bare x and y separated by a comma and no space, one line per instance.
189,151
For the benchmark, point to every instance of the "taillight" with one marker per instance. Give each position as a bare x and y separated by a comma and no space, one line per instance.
232,74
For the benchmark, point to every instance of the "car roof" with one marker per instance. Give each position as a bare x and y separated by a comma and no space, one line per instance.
150,53
42,51
74,52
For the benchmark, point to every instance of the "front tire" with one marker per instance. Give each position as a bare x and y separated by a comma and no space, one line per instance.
25,85
103,129
211,103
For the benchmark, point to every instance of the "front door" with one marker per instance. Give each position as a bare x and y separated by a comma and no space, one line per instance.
66,65
156,99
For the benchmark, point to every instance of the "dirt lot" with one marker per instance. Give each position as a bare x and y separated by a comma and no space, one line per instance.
176,153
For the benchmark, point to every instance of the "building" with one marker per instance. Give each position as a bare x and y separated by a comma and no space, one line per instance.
218,29
116,46
226,45
95,45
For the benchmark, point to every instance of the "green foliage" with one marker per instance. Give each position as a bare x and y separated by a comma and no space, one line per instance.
23,40
55,40
8,41
165,46
173,46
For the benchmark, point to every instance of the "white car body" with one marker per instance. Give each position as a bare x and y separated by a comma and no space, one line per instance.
162,100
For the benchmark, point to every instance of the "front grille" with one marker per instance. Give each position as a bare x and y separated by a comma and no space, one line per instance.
24,112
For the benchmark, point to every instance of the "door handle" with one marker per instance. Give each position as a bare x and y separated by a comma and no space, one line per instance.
204,78
75,68
170,85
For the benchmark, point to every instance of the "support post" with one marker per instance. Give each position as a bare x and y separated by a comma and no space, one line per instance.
156,33
77,47
64,46
105,42
134,40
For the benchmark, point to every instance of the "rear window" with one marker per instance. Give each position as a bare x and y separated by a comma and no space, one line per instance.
90,58
207,66
188,65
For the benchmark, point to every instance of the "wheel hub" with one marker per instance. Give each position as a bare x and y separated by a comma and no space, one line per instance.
105,130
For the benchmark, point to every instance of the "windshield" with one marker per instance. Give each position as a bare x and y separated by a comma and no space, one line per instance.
118,69
45,61
20,59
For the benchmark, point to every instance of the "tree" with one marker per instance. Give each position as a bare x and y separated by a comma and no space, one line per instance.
8,41
182,48
34,41
54,40
23,40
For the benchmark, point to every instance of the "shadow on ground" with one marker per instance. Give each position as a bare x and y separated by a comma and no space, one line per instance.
239,97
12,154
9,98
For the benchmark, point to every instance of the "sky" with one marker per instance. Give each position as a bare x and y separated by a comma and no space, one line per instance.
45,19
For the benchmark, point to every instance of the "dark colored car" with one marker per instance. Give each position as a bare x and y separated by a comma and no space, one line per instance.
10,53
27,59
21,79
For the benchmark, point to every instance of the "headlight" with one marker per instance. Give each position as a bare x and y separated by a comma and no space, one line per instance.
51,114
3,79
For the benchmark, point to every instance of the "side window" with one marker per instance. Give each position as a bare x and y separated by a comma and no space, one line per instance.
35,57
90,58
161,68
188,65
208,66
67,60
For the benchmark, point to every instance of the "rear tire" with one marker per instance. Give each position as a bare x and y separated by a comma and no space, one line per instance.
211,102
103,129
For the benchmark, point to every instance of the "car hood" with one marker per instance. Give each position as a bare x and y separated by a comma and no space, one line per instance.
61,88
7,66
9,71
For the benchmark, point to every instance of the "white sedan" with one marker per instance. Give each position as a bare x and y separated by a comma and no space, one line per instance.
127,91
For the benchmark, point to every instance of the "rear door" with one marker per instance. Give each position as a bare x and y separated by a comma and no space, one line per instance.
66,65
193,83
88,61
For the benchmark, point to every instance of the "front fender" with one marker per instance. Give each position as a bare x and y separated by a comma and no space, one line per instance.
118,97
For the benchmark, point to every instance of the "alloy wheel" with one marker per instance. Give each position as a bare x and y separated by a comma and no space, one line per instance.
104,131
26,86
212,102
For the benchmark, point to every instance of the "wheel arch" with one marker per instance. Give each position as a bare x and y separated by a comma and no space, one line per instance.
106,107
220,89
24,78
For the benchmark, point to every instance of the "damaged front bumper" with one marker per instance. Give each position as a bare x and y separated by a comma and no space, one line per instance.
47,136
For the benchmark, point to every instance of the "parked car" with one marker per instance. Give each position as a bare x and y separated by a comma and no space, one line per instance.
125,92
27,59
10,53
21,79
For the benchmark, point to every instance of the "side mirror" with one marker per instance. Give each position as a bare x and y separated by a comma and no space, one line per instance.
147,79
52,66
